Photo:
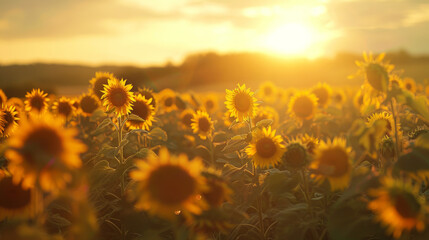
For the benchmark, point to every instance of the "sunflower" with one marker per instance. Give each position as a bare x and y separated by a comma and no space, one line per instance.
98,82
339,97
202,124
395,82
375,71
169,185
410,85
385,116
17,201
3,97
295,155
303,105
63,107
310,142
358,100
148,94
210,103
11,119
332,162
88,103
265,148
144,110
186,118
167,100
75,103
17,102
323,94
36,100
268,92
398,206
267,112
218,191
241,103
43,150
118,96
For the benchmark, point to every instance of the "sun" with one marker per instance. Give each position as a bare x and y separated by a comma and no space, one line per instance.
290,39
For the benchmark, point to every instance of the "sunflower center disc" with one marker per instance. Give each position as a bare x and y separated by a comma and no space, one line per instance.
37,102
88,104
140,109
42,144
99,86
118,97
187,119
406,205
265,147
168,102
171,184
303,107
242,102
336,159
13,196
204,124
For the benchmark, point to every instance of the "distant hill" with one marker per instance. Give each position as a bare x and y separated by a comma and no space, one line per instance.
209,71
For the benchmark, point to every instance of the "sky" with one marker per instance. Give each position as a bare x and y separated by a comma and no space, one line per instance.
143,32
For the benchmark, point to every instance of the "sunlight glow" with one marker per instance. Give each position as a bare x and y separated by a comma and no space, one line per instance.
290,38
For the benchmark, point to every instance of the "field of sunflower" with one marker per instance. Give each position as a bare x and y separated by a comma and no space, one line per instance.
125,162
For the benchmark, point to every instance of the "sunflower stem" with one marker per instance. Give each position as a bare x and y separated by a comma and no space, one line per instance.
396,130
306,189
259,201
121,162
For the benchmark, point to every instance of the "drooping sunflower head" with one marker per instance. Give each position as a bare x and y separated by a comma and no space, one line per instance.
375,71
3,97
415,133
98,82
310,142
267,112
295,156
241,103
144,110
218,191
323,94
117,95
332,162
63,107
387,117
43,149
167,100
17,201
169,185
211,103
410,85
186,118
36,101
266,148
303,105
88,103
267,92
202,124
148,94
398,206
11,120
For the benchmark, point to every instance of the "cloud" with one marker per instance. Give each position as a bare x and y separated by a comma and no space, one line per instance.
52,18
